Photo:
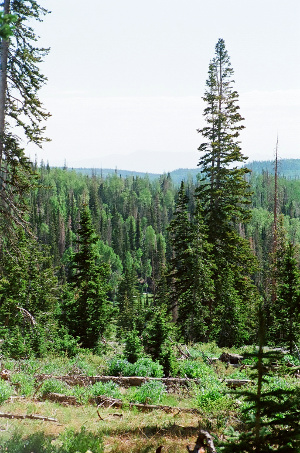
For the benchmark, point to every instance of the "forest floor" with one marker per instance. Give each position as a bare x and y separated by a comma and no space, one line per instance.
217,407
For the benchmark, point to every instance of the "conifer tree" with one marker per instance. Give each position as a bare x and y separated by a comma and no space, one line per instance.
284,308
20,109
223,191
191,271
87,310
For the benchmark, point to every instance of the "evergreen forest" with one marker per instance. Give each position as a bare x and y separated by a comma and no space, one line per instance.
106,273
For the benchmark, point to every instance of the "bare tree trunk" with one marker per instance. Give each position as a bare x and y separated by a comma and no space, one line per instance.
275,226
3,82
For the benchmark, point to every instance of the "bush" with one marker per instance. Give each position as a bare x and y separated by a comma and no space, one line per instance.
142,367
5,391
54,386
25,383
80,442
67,442
105,388
133,346
150,392
146,367
120,367
195,369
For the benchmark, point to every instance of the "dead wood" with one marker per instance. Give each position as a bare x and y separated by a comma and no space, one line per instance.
234,383
204,443
129,381
232,359
105,401
5,375
27,316
62,399
31,417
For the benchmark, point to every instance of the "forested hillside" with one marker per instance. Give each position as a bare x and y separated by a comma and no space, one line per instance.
114,273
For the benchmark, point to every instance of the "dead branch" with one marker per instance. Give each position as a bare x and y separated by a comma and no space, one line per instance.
185,355
204,443
234,383
297,349
27,316
105,401
31,417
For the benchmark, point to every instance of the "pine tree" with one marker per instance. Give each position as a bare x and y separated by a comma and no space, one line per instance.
271,415
223,191
191,271
20,109
284,305
86,310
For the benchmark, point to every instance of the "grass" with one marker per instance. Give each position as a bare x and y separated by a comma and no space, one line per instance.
132,430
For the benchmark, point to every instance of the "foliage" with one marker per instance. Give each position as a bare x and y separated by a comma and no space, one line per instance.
142,367
133,346
86,310
5,391
151,392
21,111
53,386
67,442
272,411
105,388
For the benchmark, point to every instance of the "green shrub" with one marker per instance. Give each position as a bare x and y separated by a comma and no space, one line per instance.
150,392
195,369
105,388
36,442
211,394
79,442
25,383
133,346
142,367
120,367
14,344
54,386
146,367
67,442
5,391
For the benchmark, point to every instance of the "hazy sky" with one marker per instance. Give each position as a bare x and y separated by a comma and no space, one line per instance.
126,78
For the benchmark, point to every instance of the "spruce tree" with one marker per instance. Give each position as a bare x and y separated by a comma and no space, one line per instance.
223,190
20,110
86,310
224,193
190,275
284,305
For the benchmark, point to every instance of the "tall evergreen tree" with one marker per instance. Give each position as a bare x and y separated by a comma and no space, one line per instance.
223,191
284,305
191,271
86,308
20,109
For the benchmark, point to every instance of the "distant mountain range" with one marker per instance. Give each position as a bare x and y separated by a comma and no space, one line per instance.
288,168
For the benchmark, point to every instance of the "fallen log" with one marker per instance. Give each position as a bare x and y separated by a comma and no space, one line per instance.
234,383
104,401
132,381
31,417
60,398
231,359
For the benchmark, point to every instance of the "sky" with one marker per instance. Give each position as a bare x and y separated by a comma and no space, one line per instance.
126,79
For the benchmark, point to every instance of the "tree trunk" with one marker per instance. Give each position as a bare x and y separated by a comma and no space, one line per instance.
3,83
